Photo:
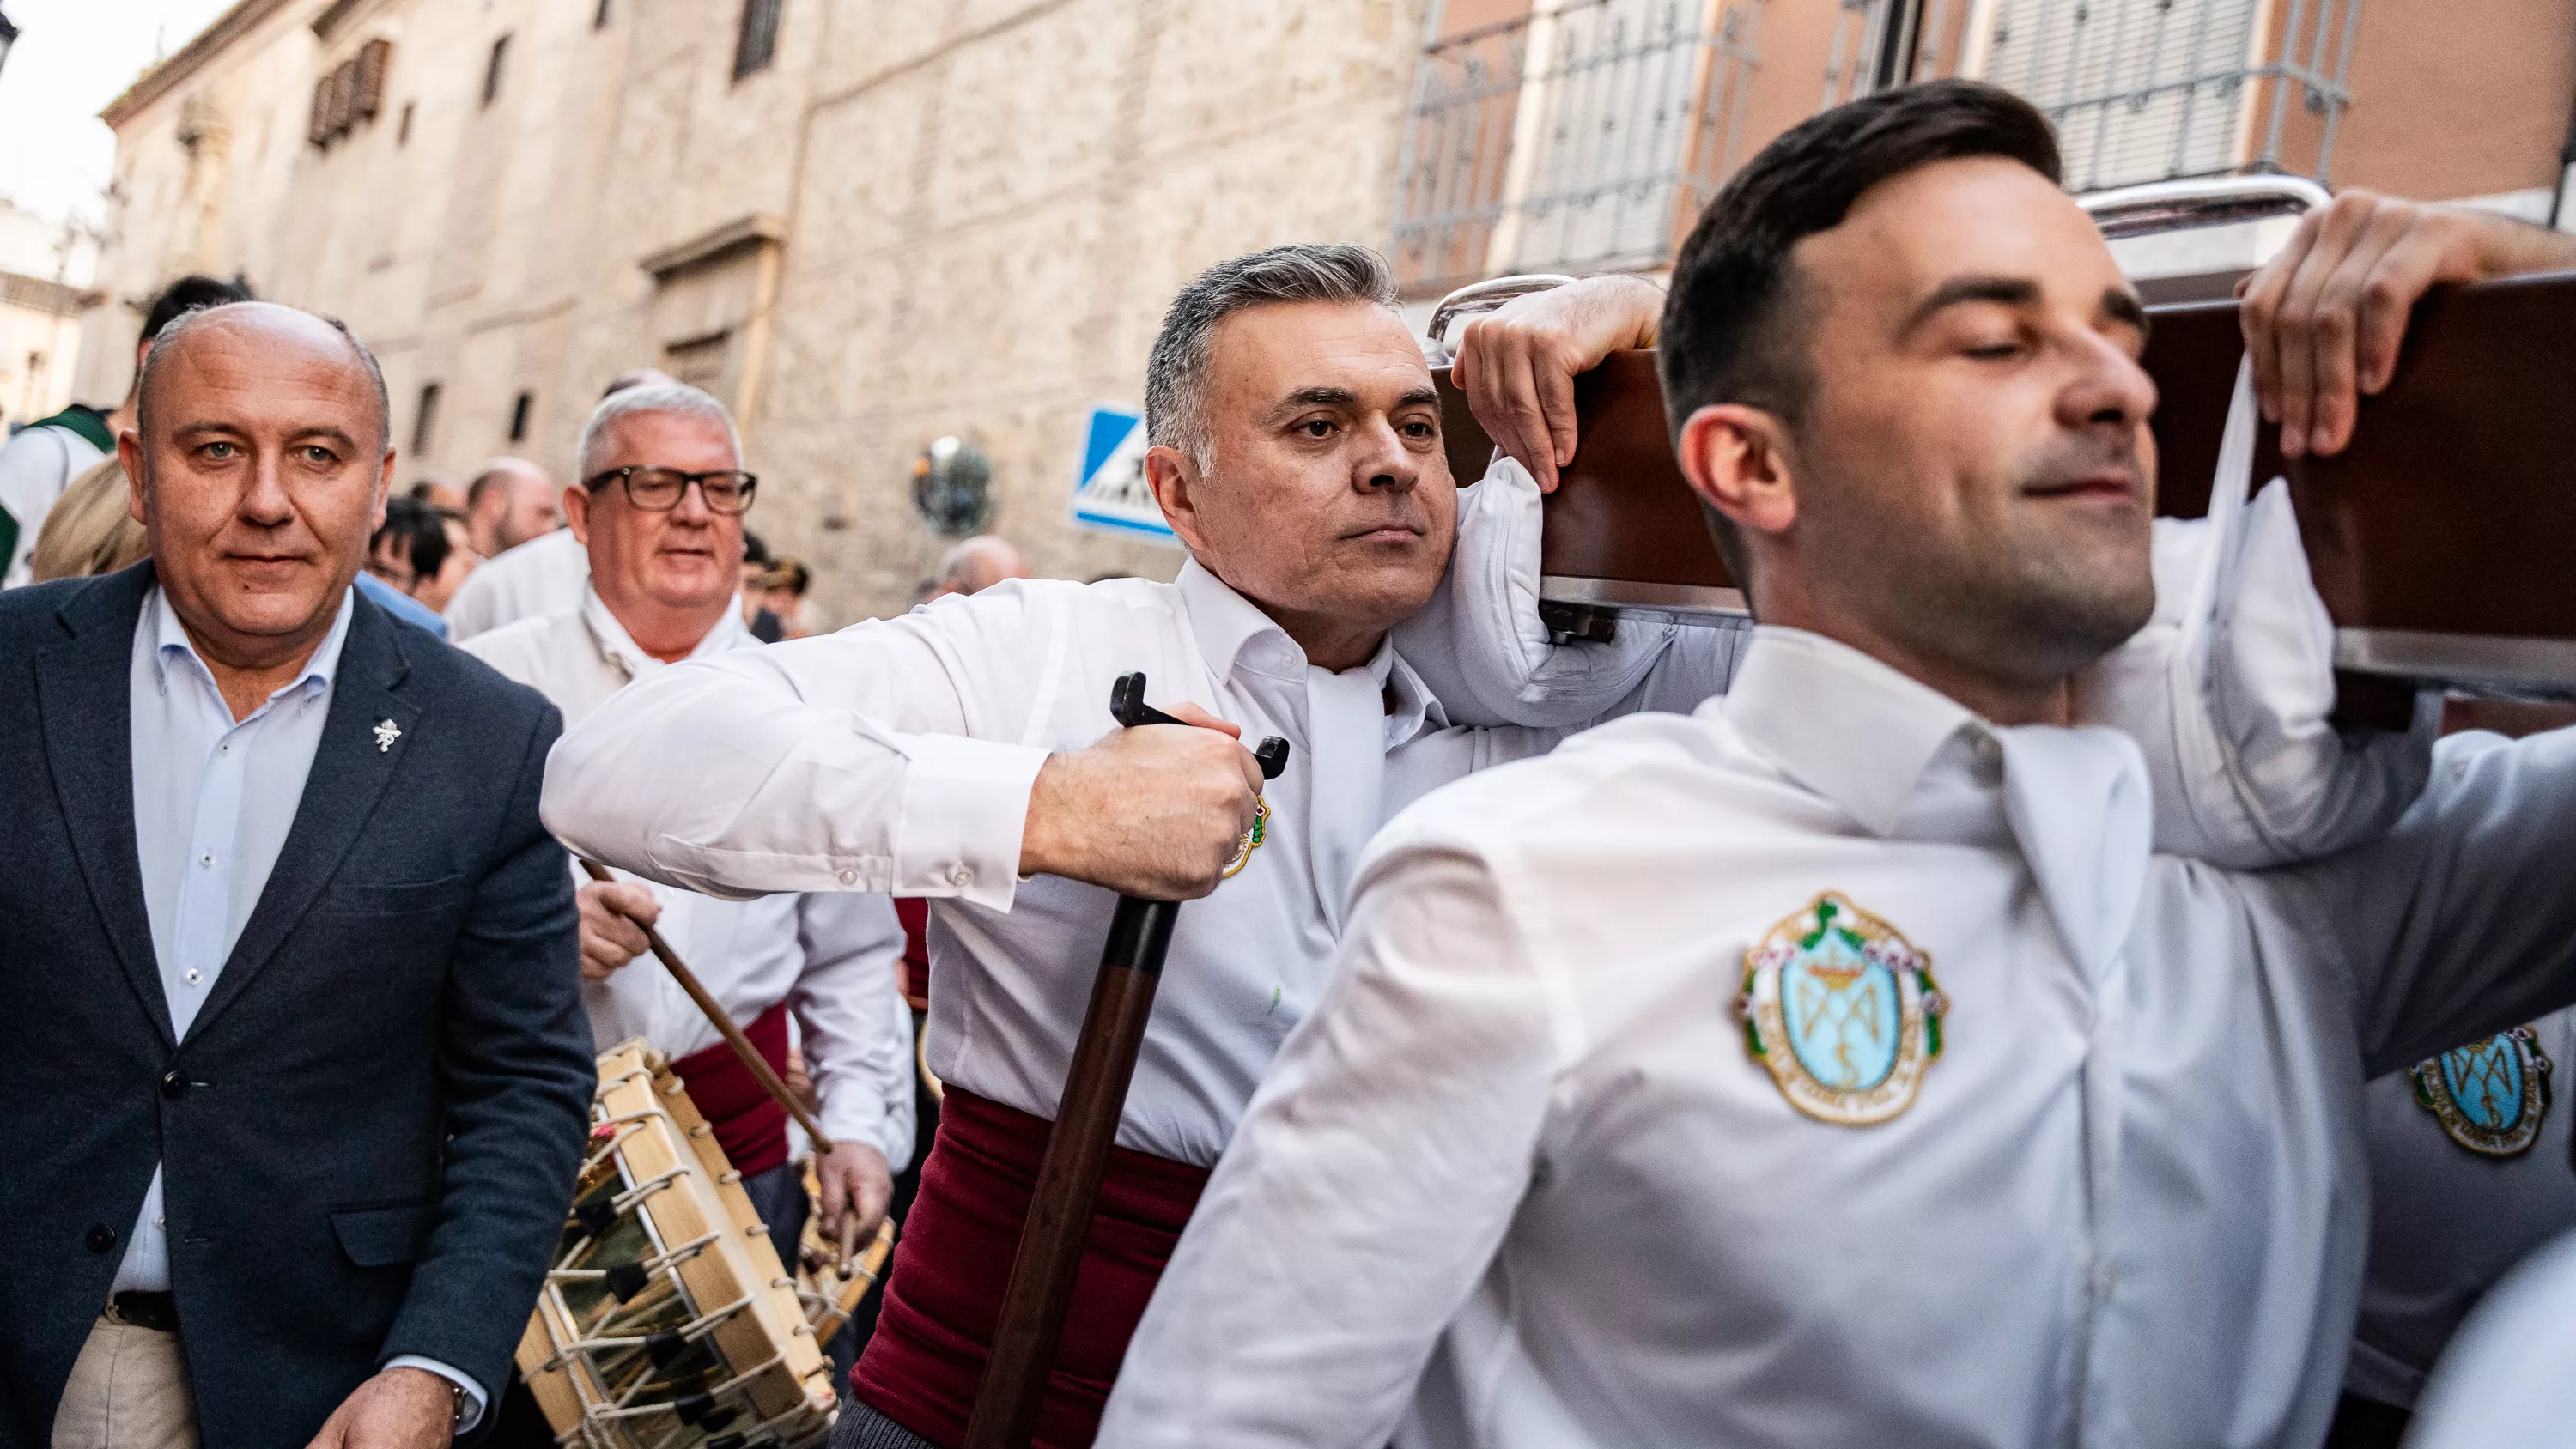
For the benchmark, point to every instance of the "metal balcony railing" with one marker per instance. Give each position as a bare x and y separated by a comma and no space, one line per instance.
1583,137
2140,90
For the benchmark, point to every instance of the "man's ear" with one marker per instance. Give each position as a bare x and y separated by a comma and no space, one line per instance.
1737,460
129,456
1174,479
576,507
384,490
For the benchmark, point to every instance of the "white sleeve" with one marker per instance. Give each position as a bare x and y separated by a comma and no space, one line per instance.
1481,646
2229,691
1369,1187
888,757
2458,923
2511,1369
858,1031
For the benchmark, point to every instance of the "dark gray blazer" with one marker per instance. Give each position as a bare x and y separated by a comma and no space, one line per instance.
370,1134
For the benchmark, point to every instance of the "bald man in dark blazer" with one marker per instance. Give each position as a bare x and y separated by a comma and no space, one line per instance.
294,1077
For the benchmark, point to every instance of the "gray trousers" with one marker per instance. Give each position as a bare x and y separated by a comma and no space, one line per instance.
861,1427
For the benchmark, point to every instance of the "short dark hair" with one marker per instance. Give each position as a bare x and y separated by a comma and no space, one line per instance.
753,550
191,294
1734,323
419,529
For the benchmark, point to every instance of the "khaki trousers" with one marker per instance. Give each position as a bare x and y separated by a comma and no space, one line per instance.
128,1391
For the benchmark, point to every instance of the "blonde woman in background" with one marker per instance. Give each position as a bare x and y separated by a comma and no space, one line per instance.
88,530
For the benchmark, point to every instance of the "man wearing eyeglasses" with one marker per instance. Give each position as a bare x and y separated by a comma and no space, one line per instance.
659,509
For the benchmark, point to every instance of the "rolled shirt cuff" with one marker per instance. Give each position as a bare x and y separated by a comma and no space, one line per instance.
965,807
473,1414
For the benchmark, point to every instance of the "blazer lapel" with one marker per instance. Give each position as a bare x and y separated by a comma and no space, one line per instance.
348,777
84,700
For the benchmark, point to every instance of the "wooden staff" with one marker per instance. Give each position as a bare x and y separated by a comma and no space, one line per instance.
1086,1126
742,1047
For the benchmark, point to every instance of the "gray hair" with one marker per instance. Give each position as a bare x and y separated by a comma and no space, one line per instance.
1176,373
675,398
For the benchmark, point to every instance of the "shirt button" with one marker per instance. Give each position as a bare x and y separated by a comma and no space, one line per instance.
207,860
961,875
849,877
174,1083
101,1238
195,976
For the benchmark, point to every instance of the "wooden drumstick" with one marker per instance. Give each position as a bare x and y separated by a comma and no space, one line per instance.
1040,1289
742,1047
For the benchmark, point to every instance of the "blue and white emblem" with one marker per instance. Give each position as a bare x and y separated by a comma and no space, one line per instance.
2489,1095
1843,1011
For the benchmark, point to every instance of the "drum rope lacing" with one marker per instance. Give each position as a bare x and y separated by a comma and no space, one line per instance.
594,1427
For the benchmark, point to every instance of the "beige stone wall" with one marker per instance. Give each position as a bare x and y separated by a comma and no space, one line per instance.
975,213
925,217
203,174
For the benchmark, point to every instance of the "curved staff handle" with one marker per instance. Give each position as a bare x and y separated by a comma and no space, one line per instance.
1086,1126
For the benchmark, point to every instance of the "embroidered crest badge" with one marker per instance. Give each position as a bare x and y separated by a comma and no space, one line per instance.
1843,1011
2489,1095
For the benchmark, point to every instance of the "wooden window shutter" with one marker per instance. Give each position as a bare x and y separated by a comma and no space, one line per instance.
374,59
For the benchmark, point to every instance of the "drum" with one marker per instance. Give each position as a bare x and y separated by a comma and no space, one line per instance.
666,1319
829,1296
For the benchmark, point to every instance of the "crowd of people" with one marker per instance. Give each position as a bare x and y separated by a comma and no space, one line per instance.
1976,1004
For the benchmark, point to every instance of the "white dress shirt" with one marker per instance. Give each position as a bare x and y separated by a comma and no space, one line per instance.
897,756
1520,1172
213,801
2447,1221
540,578
831,957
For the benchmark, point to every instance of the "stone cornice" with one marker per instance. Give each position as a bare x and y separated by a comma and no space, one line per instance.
755,229
187,60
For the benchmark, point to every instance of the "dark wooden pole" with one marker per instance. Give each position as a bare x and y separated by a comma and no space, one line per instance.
1086,1127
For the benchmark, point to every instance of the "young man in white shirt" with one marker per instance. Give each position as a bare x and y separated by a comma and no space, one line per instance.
1841,1064
659,512
965,753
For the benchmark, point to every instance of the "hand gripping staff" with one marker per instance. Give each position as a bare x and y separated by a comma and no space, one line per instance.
1086,1124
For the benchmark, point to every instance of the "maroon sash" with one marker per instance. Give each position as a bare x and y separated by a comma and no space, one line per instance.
750,1126
944,1293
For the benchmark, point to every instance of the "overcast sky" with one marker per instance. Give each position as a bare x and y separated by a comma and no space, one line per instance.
73,57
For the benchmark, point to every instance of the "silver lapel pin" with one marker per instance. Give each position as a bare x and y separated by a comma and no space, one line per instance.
386,734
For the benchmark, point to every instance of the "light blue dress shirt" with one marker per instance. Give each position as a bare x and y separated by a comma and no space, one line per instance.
213,801
401,605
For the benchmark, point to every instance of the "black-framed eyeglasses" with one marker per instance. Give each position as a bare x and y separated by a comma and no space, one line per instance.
658,490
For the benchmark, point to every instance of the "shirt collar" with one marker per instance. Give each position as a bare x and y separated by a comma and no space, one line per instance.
1839,722
1233,633
170,642
620,649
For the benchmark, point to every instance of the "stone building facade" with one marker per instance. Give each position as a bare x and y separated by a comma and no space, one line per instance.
870,224
915,219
